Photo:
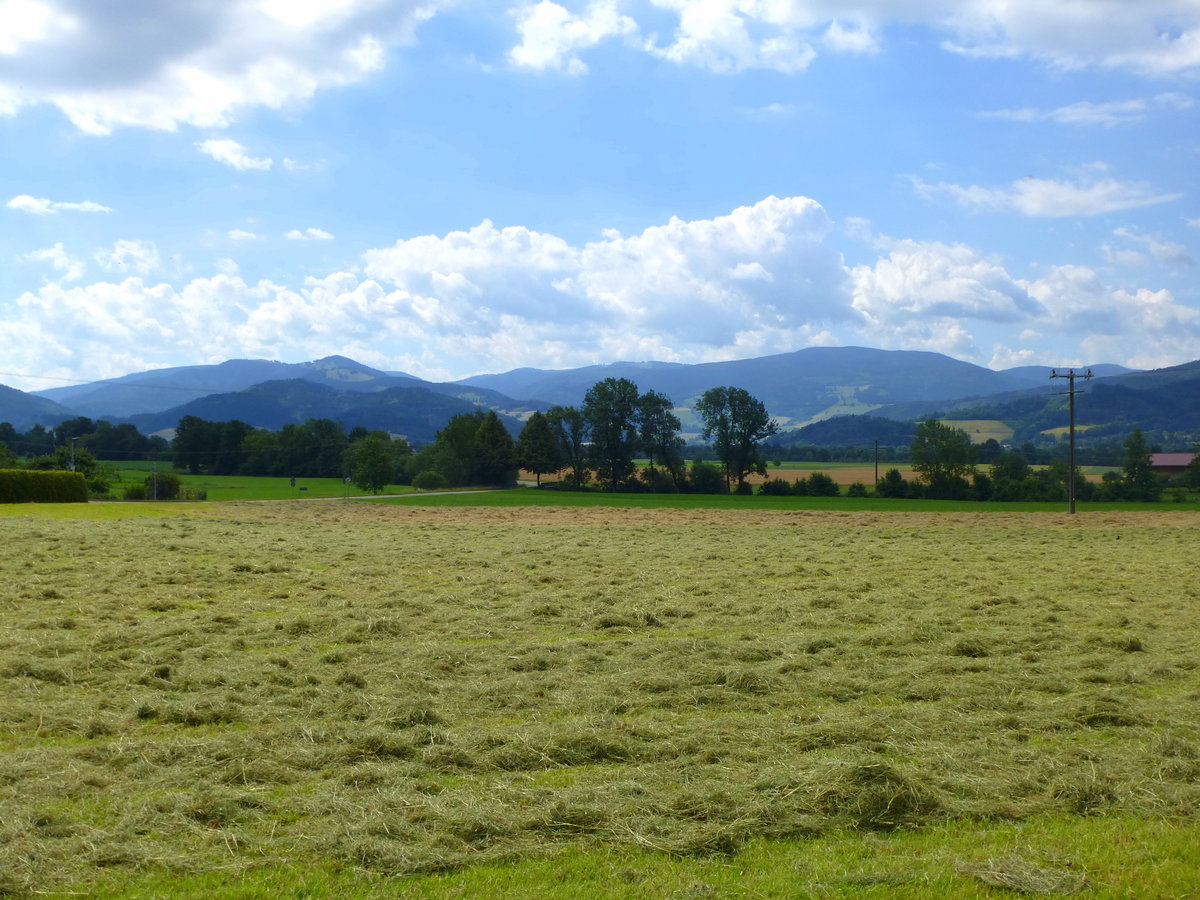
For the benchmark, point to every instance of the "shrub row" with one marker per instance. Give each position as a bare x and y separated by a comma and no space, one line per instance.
42,486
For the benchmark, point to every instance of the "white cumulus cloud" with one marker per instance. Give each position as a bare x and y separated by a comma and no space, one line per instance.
924,295
551,36
952,299
681,287
1156,38
159,65
1138,327
40,206
71,267
1158,249
231,153
140,257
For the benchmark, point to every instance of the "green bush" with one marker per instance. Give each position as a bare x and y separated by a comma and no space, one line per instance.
658,481
821,485
162,486
776,487
42,486
858,489
707,479
429,480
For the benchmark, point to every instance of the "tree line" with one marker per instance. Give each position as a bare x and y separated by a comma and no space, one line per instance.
594,446
81,445
945,461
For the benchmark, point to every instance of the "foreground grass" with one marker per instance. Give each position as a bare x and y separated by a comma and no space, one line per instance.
1104,856
360,699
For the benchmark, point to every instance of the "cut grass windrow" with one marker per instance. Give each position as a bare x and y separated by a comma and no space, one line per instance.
402,691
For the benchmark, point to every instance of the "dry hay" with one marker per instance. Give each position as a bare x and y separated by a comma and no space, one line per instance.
411,688
356,511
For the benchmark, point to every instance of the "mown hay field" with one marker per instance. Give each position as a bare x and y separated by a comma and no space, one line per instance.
394,691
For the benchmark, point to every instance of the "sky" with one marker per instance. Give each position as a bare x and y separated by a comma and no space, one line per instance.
452,187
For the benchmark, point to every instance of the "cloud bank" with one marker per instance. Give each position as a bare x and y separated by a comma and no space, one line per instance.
761,279
733,35
160,65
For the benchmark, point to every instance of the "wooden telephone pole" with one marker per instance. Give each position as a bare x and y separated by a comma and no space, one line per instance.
1071,375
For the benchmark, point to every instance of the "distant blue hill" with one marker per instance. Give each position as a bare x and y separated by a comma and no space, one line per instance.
23,411
159,389
798,387
144,393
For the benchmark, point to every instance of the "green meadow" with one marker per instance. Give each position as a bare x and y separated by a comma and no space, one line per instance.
378,699
249,487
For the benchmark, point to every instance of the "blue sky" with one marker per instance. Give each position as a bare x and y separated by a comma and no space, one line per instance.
453,187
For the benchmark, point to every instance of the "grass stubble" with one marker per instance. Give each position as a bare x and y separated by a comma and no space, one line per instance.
400,692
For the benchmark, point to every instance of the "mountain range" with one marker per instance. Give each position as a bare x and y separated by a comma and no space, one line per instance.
798,388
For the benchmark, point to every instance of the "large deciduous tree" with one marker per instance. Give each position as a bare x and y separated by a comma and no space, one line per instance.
474,448
737,424
570,430
943,456
660,434
611,410
195,444
537,448
1191,475
375,460
495,451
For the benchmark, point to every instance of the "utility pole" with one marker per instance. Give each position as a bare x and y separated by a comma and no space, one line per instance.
877,465
1071,375
73,440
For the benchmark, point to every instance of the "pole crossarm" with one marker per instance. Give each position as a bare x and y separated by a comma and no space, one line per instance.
1071,391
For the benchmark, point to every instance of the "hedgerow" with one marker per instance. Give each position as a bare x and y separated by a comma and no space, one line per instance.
42,486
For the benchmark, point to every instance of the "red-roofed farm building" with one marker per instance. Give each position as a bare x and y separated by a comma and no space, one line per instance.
1171,464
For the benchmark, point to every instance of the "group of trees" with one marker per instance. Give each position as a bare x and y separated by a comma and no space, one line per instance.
317,448
600,440
618,424
80,445
945,462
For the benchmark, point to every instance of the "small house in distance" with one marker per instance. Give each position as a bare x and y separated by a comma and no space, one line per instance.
1171,464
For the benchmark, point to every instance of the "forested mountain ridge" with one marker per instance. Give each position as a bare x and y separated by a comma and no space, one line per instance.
414,412
799,388
23,410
